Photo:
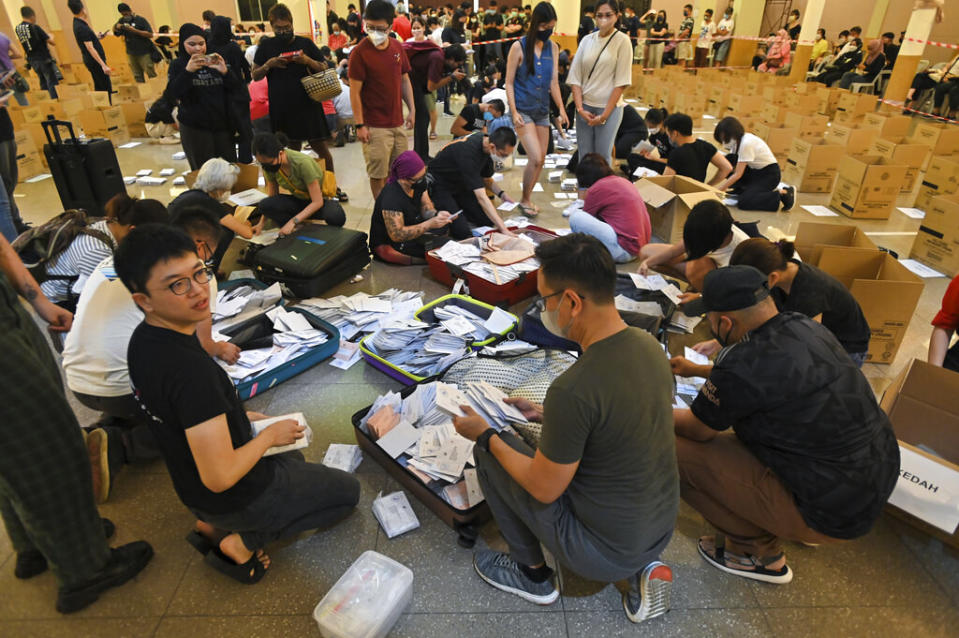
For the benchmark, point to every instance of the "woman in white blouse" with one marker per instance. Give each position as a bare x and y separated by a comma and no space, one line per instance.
598,75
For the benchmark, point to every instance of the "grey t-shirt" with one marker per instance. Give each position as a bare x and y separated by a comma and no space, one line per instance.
612,412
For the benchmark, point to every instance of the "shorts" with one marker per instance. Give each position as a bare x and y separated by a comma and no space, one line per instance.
531,119
684,51
385,146
721,50
429,99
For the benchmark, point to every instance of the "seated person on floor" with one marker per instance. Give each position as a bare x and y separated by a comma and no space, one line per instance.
613,211
405,225
462,171
755,180
600,491
811,457
653,159
211,190
95,351
242,499
692,156
475,117
301,176
944,326
710,236
159,122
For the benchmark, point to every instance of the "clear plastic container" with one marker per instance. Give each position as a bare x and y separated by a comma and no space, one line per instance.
367,600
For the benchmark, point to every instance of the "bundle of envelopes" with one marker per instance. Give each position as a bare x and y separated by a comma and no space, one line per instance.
496,257
362,313
418,432
293,335
245,300
688,387
423,349
678,322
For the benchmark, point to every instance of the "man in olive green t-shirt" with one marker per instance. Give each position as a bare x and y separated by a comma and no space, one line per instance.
602,491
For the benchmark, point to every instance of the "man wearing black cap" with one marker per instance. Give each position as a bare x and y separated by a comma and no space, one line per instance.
811,457
709,238
137,35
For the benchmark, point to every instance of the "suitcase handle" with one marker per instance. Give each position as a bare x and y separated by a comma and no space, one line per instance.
55,125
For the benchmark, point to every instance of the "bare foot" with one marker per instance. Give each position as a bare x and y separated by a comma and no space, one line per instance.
232,546
737,561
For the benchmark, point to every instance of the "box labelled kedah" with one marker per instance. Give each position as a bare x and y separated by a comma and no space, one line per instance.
105,122
887,292
941,178
898,151
890,126
811,237
669,200
743,105
856,140
717,101
812,126
812,165
866,186
851,107
923,407
937,242
944,139
777,137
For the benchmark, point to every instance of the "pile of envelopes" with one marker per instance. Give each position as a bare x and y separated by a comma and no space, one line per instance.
418,432
362,313
480,256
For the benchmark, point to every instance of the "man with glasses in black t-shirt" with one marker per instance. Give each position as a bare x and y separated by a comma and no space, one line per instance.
241,498
811,457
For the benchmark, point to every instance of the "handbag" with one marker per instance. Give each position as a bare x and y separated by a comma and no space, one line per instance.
155,54
322,86
20,84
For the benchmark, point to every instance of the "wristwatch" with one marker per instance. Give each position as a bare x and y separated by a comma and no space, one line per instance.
359,126
483,439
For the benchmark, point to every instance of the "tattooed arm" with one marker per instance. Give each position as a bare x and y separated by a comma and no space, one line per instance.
23,282
400,233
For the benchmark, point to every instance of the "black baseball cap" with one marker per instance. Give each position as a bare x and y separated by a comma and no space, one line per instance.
706,228
727,289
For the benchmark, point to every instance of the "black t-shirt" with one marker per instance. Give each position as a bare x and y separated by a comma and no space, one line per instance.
33,39
136,44
394,198
632,122
692,160
292,112
473,116
83,33
194,197
462,164
586,26
660,140
814,292
179,386
6,126
203,95
797,401
452,36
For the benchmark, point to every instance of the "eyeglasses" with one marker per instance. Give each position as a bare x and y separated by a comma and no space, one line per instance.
605,15
185,284
540,302
370,29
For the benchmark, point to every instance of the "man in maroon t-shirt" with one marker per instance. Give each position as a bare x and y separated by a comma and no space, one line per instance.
431,67
379,84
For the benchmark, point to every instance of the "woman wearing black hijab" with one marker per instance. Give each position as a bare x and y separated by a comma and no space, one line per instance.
223,43
204,88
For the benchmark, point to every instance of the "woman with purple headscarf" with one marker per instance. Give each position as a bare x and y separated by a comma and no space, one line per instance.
405,224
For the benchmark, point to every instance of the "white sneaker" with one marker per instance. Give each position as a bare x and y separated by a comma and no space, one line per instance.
572,208
564,144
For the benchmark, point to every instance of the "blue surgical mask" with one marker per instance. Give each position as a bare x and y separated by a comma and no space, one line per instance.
488,116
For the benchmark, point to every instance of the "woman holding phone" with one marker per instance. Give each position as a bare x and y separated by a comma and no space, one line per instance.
203,89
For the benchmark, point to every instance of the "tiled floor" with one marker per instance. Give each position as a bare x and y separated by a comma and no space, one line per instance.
893,582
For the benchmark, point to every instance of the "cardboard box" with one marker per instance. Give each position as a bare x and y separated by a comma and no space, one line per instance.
943,139
812,165
890,126
827,100
744,105
96,99
923,407
856,140
29,165
811,237
802,103
247,178
24,142
99,122
941,178
778,138
937,242
717,101
887,292
134,114
33,114
669,200
811,126
896,151
130,93
68,110
866,187
851,107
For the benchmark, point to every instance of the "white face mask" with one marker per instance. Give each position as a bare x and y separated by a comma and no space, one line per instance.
550,319
377,37
605,23
653,131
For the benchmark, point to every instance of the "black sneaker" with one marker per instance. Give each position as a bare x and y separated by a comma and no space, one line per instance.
124,563
32,562
503,573
341,196
788,198
648,594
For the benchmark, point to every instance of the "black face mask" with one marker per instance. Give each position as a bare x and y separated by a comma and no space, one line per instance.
270,168
544,35
285,36
723,341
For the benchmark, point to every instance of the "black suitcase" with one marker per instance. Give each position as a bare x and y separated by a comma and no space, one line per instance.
313,260
86,173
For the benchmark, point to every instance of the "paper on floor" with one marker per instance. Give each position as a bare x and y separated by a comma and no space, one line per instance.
821,211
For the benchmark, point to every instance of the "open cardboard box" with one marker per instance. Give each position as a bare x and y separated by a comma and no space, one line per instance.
898,151
811,126
923,406
866,187
887,292
247,178
856,140
811,165
812,236
669,200
937,242
777,136
890,126
941,178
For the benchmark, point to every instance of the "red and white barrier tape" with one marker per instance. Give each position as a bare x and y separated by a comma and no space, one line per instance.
915,112
933,43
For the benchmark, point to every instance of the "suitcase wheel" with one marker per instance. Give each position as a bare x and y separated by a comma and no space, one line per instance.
467,535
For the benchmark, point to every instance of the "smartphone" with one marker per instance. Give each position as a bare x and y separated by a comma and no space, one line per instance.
456,214
291,54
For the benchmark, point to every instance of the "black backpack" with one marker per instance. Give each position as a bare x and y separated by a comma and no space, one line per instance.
38,246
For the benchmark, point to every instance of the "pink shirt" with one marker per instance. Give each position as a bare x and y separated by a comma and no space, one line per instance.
616,201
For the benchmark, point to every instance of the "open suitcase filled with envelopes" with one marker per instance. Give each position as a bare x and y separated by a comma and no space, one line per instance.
257,333
394,367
